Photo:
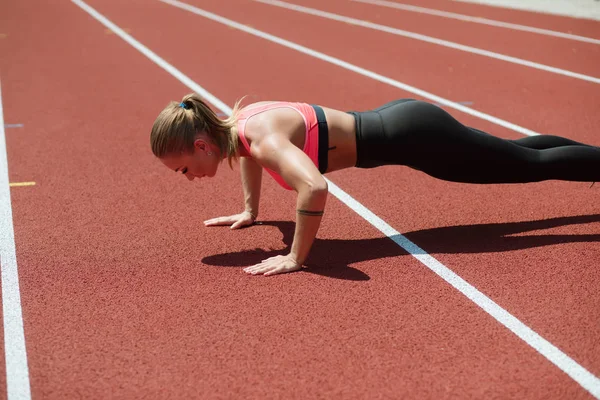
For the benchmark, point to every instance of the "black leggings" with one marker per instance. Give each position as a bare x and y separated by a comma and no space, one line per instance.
425,137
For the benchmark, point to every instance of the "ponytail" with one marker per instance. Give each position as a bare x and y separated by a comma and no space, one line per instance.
175,128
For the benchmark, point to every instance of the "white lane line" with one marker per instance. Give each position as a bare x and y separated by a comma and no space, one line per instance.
551,352
351,67
428,39
17,371
478,20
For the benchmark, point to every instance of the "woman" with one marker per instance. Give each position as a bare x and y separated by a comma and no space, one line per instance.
297,143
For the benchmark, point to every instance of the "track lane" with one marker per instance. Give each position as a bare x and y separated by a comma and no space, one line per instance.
105,297
182,19
533,249
389,207
92,244
577,337
14,371
577,57
578,26
515,93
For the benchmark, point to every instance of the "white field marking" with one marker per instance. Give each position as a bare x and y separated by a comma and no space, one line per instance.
352,67
428,39
478,20
15,352
548,350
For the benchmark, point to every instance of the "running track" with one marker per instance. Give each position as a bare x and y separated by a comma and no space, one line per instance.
124,294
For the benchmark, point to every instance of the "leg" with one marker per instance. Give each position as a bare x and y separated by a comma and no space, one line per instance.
543,142
427,138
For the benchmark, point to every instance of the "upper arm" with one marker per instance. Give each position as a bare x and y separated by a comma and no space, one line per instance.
249,166
251,174
278,154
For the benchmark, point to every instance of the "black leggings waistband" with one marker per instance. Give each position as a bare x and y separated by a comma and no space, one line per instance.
323,138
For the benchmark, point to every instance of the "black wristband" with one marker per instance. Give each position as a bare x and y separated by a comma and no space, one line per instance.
311,213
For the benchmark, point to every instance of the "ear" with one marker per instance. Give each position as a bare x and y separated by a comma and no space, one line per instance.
200,144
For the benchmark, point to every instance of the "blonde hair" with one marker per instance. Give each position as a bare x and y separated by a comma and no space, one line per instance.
176,126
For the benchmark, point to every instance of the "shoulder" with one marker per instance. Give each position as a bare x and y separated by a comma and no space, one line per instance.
252,106
271,124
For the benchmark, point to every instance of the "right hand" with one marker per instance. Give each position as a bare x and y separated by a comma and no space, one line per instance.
236,221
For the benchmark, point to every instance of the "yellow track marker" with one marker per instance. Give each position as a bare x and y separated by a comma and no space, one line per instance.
21,184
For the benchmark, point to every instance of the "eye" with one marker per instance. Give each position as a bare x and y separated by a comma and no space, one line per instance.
184,170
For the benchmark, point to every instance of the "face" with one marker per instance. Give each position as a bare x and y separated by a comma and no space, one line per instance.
202,162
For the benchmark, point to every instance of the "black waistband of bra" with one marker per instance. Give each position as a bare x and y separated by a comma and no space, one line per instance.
323,138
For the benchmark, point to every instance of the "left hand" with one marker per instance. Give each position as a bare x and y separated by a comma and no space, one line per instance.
274,265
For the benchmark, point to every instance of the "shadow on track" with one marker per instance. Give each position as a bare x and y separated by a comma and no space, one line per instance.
333,257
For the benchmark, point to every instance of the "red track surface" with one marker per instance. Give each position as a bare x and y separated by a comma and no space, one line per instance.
126,295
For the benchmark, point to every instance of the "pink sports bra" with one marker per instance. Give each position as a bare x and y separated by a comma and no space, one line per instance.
311,142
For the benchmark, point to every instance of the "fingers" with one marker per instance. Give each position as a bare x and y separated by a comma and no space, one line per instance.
219,221
240,224
272,266
275,271
236,221
264,269
236,225
261,268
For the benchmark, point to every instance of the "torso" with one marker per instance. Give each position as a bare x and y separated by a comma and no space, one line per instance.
288,122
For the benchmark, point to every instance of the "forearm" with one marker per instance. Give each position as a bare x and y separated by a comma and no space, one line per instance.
310,203
251,182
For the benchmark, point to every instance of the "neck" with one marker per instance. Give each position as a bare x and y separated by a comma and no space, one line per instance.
241,152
